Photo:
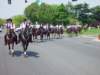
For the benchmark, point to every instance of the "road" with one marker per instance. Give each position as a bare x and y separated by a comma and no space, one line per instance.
67,56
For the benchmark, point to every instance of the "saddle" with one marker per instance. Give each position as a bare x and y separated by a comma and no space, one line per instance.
10,37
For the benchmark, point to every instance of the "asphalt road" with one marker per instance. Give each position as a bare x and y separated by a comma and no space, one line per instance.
67,56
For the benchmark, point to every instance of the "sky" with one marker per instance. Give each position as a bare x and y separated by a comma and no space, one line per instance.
17,7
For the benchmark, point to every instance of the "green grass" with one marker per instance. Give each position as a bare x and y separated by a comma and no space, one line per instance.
93,31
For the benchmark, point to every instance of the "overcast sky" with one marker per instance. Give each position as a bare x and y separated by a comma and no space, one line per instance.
18,6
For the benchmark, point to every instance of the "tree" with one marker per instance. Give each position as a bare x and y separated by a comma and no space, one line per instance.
18,19
96,12
82,13
2,21
31,12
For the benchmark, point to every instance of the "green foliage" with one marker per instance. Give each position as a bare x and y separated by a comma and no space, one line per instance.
31,12
62,14
93,31
2,21
18,19
96,12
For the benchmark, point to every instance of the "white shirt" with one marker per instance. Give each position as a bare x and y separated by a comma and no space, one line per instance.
23,25
37,26
10,26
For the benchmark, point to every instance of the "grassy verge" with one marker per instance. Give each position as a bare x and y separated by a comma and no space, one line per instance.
94,32
91,32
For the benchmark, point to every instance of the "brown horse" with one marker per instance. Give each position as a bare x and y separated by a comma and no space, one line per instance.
34,33
74,29
10,39
38,32
61,30
58,32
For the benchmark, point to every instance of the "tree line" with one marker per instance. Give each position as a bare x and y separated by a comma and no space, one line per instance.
62,14
58,14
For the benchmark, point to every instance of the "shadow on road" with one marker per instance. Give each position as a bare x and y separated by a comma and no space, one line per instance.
32,54
28,53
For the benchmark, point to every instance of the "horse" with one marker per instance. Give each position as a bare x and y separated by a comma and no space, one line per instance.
41,33
24,38
10,39
46,32
34,33
61,30
52,32
73,29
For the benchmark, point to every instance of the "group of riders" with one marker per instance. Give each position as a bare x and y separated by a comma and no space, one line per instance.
28,32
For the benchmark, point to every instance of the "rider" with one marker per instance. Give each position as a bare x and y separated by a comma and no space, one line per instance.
23,24
10,27
26,24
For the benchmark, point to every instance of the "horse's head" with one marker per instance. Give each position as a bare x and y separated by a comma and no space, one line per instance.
25,34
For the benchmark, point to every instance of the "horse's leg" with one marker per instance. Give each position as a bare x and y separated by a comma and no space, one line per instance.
27,45
58,35
76,33
12,49
52,35
33,36
24,47
9,48
61,35
49,36
5,41
41,37
30,38
45,36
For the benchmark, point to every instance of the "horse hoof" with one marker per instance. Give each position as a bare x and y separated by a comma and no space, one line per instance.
13,54
25,55
9,52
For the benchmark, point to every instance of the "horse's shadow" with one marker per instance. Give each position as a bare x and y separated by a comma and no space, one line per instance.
28,53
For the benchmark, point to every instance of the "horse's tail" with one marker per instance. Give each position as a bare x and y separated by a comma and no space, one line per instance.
5,39
15,39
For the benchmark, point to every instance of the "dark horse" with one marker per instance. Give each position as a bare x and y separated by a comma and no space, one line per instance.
38,32
74,29
24,38
10,39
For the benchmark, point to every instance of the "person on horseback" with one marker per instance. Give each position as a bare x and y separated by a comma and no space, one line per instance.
23,25
25,36
10,28
10,37
26,25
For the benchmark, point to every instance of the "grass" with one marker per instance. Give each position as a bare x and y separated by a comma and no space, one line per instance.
93,32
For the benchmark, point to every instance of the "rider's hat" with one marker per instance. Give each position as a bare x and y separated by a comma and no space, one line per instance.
9,20
25,20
